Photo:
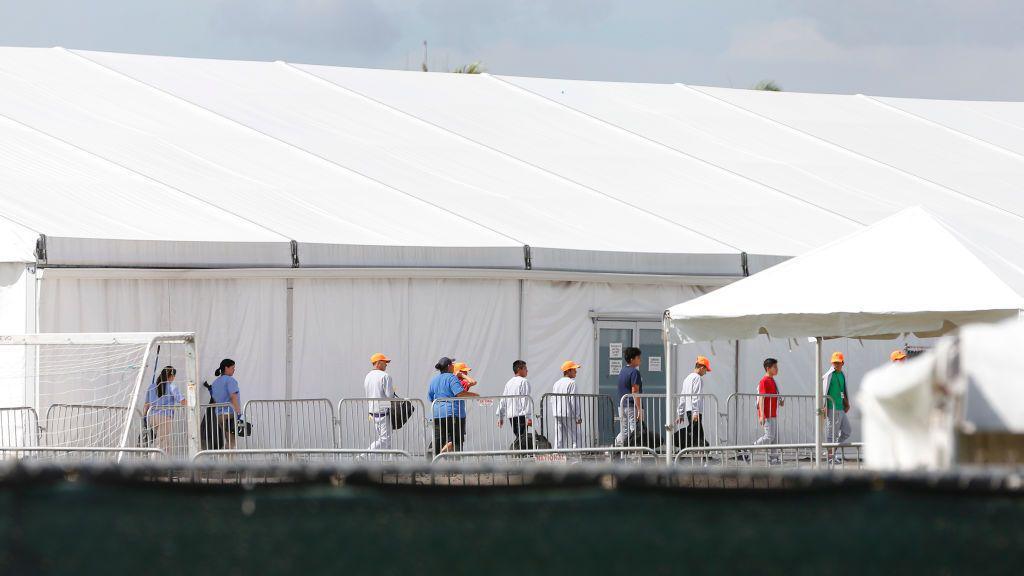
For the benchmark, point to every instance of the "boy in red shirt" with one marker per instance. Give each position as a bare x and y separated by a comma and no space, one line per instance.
768,406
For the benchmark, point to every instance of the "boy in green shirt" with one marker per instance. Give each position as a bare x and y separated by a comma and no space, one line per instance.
837,404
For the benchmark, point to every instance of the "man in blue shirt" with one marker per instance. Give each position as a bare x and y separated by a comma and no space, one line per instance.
630,384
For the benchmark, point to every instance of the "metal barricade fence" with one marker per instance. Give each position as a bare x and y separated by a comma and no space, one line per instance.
777,456
793,424
696,421
596,415
301,455
471,424
79,453
215,432
300,423
595,454
19,426
86,425
166,428
359,429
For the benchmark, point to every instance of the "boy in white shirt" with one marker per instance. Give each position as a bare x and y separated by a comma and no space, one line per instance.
517,409
567,408
377,384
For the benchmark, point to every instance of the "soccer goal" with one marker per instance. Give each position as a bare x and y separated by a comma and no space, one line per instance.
109,395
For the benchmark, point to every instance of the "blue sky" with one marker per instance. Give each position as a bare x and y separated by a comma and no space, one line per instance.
934,48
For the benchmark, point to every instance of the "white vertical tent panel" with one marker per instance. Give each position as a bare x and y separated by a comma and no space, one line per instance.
239,319
567,224
340,323
15,283
326,207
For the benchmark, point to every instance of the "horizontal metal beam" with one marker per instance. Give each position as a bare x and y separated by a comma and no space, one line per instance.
97,338
388,273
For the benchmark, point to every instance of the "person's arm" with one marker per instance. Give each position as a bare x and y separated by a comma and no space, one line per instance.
466,394
501,410
760,410
698,404
235,404
460,391
846,399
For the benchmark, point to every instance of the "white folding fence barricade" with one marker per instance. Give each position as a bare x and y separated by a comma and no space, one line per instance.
835,430
595,414
217,427
300,455
79,453
641,421
87,426
695,424
166,428
593,454
776,456
471,424
300,423
19,427
793,422
375,424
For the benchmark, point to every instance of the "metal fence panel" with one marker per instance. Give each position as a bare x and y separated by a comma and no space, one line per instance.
794,422
359,429
596,415
633,454
779,456
86,425
19,426
166,428
66,454
479,429
300,423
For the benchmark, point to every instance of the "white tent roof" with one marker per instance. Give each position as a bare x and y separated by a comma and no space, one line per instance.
859,286
387,168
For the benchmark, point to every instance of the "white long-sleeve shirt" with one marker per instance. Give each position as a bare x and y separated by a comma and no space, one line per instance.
565,406
512,407
378,385
689,401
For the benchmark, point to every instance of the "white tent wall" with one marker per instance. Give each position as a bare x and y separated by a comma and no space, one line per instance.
239,319
17,313
339,323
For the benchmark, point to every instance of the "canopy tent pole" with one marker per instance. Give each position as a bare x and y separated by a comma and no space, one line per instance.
818,412
669,417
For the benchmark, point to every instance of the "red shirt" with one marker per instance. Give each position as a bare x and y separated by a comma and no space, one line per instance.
770,406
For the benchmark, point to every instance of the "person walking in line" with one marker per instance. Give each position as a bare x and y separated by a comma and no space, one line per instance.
690,410
567,408
837,404
449,415
897,356
517,409
161,398
378,384
768,403
461,371
630,384
224,390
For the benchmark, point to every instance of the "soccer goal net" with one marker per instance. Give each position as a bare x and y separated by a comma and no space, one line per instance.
68,396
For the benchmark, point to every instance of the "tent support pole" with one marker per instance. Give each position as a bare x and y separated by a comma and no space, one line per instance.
817,402
669,415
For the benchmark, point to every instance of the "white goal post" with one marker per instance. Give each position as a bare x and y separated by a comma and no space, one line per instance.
96,390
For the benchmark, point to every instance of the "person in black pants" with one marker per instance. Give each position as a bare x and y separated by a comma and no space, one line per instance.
517,406
691,407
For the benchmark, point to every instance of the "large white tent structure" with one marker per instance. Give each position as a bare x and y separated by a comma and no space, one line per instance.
299,218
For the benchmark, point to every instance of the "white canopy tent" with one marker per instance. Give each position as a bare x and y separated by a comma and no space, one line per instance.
299,218
856,287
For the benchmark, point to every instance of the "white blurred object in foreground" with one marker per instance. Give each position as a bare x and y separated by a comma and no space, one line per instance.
920,414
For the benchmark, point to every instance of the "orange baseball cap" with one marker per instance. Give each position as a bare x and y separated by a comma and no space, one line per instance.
897,355
838,357
378,357
703,361
461,367
569,365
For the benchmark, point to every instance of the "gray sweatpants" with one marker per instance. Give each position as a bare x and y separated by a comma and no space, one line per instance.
837,426
627,424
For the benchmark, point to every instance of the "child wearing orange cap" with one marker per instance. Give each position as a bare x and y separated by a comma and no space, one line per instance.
691,406
837,404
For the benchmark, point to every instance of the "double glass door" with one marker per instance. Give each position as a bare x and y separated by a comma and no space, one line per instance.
612,340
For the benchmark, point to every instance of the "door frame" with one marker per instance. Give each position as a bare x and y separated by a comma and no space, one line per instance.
630,322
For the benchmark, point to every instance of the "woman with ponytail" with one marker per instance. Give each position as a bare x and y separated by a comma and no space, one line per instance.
224,390
161,398
449,415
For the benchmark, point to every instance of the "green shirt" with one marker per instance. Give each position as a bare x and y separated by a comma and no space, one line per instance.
836,391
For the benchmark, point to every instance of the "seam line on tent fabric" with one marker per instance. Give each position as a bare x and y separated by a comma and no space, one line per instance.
649,140
140,174
822,141
500,152
969,137
288,144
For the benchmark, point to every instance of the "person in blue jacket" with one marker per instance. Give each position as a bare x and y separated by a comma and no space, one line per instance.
449,415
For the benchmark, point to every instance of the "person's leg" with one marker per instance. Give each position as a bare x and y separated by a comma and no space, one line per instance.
620,438
162,432
519,430
382,424
844,432
460,433
439,437
227,429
